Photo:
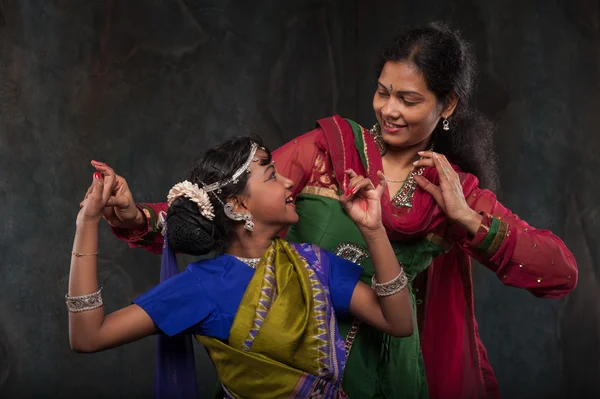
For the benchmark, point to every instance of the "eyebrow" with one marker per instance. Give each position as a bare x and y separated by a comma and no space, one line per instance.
402,92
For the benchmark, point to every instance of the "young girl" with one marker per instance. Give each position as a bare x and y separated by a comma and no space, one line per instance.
264,308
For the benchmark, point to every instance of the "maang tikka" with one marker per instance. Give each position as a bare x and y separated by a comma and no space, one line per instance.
199,195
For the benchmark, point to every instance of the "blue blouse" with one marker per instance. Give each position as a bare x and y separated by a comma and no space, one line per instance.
205,297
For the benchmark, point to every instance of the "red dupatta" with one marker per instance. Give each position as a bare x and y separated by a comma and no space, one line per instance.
455,360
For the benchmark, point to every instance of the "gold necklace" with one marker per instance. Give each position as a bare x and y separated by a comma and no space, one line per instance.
394,181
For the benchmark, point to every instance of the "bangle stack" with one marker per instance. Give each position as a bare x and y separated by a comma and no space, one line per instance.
392,287
76,304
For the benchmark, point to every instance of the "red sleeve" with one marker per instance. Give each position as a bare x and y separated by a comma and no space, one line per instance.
150,236
293,160
296,158
520,255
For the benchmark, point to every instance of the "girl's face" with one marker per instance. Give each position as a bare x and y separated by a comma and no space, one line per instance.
269,196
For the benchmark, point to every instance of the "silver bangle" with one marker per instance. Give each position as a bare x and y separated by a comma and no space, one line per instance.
392,287
76,304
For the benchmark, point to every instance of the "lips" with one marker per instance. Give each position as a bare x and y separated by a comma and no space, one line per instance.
290,201
393,127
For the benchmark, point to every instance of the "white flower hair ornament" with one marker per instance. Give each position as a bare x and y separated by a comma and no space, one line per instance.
195,194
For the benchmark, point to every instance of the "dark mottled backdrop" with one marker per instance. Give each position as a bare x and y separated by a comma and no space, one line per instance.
146,84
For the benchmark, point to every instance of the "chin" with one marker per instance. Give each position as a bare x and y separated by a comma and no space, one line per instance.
395,141
402,142
294,219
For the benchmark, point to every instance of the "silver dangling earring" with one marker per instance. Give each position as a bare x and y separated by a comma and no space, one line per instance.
375,132
446,124
238,216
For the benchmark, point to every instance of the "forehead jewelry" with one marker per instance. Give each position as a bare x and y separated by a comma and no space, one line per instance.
391,88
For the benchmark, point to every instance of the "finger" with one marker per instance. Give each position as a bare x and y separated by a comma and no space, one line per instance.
445,163
364,184
442,170
424,162
109,182
382,184
118,202
353,184
350,173
103,168
435,191
100,166
426,154
110,178
451,177
355,180
97,186
87,194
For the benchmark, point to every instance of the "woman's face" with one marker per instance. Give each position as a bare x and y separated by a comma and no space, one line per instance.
269,196
406,109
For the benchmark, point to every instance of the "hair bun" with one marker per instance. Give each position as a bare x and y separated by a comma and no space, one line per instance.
187,231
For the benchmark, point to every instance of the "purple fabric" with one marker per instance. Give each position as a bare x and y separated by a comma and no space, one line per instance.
319,261
175,370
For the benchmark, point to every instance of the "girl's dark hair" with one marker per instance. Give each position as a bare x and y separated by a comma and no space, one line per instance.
187,230
448,65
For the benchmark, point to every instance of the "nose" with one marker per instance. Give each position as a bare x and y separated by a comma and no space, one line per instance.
391,109
288,183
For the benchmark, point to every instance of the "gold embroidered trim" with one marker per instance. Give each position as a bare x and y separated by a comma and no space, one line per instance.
321,191
499,239
365,149
346,178
439,241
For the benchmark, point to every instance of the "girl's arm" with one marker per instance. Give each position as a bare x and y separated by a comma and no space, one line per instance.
89,329
387,305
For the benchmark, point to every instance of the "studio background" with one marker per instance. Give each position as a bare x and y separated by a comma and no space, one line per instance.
145,85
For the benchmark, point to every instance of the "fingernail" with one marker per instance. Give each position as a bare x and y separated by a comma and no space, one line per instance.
416,162
353,190
348,192
97,175
421,152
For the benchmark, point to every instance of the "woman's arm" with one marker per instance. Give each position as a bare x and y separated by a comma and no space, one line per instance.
140,225
387,306
519,254
90,330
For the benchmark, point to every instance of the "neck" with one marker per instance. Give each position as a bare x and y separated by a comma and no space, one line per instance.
405,156
250,244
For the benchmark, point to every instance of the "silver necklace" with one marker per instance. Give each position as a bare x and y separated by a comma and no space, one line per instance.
252,262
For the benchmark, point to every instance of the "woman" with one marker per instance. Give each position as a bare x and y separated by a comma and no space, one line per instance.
438,220
264,309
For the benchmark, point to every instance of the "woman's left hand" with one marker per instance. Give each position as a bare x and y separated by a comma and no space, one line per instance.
449,194
362,201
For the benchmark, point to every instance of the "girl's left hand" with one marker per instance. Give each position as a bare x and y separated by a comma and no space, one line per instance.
362,201
449,194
